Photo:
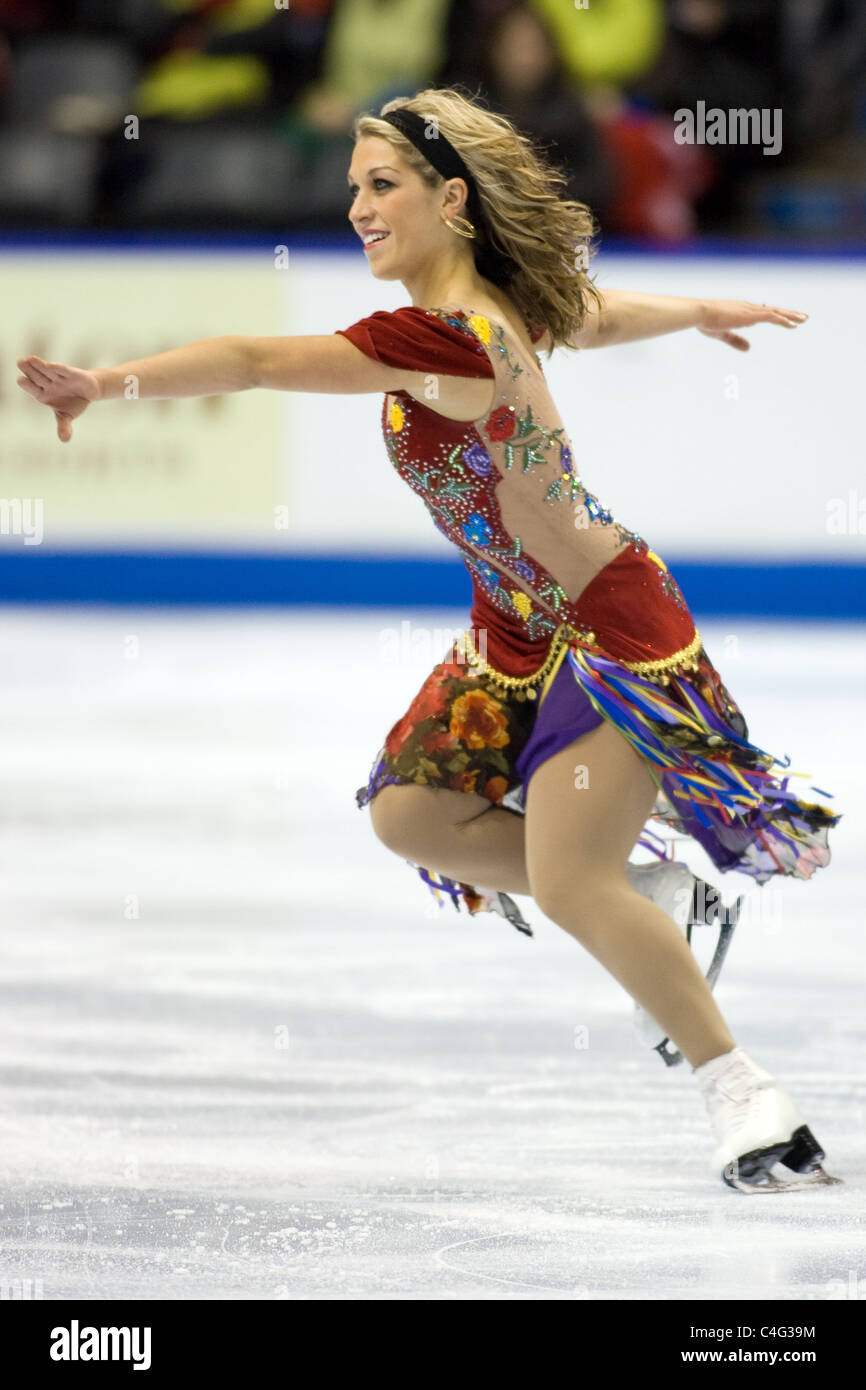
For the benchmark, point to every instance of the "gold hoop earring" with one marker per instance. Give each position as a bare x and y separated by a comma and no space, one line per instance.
449,222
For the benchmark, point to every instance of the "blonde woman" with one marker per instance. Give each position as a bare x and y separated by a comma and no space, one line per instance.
582,703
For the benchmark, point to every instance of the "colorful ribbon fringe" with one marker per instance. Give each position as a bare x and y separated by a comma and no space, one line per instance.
711,777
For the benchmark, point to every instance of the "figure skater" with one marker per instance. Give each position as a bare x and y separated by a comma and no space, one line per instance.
581,703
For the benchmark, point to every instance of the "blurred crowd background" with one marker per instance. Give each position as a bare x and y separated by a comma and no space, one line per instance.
237,114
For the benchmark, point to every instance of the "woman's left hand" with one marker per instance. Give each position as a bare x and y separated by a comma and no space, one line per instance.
722,316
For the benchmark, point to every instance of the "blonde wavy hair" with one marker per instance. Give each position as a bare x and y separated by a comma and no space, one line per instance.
547,237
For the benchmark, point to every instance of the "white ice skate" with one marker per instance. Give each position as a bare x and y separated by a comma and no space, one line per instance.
690,902
763,1143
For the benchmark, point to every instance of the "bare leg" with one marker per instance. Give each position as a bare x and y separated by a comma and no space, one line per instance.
458,834
578,840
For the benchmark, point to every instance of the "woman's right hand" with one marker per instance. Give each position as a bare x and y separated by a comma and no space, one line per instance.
68,391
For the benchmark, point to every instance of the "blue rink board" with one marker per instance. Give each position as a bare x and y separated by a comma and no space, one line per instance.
785,588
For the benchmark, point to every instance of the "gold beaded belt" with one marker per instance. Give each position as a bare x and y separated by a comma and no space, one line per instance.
523,687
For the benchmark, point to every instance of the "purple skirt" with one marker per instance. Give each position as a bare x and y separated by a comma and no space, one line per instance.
565,713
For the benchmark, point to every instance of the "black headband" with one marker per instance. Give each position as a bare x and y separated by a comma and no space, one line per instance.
433,145
492,264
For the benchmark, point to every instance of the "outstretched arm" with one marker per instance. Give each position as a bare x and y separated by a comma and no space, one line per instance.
214,366
207,367
626,316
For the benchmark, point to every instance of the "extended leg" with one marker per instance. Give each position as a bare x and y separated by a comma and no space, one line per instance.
578,840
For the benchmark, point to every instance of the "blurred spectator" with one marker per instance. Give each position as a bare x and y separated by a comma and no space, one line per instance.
185,83
238,55
806,57
189,85
624,163
726,53
610,42
595,82
375,49
290,41
799,57
520,72
659,183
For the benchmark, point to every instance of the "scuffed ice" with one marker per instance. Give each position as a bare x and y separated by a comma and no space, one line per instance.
243,1054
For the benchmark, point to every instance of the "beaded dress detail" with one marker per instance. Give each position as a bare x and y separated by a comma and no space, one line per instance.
559,585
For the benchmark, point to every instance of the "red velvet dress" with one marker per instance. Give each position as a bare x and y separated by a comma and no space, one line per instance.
573,620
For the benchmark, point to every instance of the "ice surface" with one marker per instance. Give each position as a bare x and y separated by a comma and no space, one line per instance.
245,1055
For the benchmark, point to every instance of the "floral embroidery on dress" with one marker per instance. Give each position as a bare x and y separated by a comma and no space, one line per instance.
536,621
514,367
483,329
521,433
478,459
477,529
521,602
597,512
501,423
480,326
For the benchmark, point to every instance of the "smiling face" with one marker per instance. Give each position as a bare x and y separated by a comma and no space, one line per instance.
390,197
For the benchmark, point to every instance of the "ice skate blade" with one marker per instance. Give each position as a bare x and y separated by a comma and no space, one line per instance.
766,1182
789,1166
